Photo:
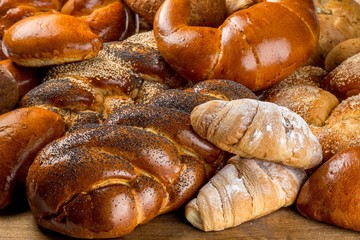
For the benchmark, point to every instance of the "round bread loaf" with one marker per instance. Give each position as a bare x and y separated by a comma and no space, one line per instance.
332,192
341,52
344,80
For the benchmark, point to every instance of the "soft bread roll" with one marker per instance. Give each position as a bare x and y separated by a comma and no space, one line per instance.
13,11
341,52
332,193
255,129
66,39
24,132
109,19
344,80
313,104
301,92
15,82
270,48
341,129
243,190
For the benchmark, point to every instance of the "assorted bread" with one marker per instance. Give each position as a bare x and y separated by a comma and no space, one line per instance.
179,117
134,160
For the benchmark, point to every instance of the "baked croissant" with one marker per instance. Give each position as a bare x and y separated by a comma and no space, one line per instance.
243,190
255,129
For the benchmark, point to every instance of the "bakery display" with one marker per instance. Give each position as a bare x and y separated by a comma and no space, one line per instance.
157,117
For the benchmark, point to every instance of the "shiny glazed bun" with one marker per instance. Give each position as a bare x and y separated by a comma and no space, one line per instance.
49,39
253,46
332,192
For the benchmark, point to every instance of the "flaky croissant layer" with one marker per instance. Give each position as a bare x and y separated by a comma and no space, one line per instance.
243,190
255,129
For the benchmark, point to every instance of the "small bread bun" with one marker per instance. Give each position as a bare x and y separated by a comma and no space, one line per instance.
341,129
344,80
49,39
311,103
15,82
24,131
341,52
331,194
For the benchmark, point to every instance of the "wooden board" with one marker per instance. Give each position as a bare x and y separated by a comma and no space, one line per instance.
17,223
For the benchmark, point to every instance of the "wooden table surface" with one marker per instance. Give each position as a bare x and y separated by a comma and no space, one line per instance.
17,222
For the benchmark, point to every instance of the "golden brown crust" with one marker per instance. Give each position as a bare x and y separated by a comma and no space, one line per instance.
202,12
15,82
23,133
341,52
60,43
339,21
344,80
124,72
311,103
201,53
98,21
341,129
12,11
137,168
331,193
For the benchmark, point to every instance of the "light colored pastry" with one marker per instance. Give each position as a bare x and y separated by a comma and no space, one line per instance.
245,189
255,129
